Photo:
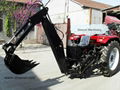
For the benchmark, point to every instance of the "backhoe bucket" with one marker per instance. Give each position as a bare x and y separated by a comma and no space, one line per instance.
17,65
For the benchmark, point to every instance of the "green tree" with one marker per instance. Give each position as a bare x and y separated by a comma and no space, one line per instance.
7,8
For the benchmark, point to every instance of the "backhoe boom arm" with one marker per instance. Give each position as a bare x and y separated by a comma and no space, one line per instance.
53,38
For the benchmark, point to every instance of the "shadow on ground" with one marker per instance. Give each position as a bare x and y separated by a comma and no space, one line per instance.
27,81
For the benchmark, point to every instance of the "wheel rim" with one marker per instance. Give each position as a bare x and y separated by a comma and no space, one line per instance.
114,58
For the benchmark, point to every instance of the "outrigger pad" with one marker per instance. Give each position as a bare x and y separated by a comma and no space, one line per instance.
17,65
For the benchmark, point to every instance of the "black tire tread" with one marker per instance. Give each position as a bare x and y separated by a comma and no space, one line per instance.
104,58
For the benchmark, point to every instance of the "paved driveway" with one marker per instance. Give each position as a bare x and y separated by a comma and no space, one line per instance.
47,76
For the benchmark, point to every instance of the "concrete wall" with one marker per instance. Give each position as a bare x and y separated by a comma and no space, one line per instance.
63,28
78,15
39,36
97,17
60,10
57,11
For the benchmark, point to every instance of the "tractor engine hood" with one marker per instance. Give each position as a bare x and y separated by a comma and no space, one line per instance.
89,29
98,38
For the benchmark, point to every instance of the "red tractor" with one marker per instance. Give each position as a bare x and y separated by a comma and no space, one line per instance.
101,51
85,55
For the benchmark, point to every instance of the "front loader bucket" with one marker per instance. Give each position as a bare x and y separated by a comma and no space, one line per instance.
17,65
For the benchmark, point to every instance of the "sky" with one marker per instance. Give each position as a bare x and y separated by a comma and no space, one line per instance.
111,2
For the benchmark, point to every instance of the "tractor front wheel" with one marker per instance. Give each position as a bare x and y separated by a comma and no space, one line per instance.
111,57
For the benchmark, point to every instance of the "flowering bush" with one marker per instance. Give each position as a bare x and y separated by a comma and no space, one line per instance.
23,13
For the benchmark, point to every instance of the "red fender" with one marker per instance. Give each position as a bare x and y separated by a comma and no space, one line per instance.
103,38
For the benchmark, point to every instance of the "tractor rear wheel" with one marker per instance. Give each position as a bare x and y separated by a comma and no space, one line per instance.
111,57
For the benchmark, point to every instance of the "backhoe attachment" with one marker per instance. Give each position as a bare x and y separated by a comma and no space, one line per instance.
12,61
19,66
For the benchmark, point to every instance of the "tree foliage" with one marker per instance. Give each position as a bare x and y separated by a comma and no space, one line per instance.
16,13
7,9
23,13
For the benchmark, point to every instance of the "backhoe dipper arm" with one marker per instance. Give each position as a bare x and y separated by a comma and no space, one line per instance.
53,38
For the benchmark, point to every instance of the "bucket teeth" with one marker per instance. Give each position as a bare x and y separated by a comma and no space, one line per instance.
17,65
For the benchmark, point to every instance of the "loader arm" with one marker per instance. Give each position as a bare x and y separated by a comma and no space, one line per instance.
53,38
